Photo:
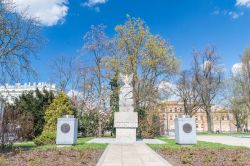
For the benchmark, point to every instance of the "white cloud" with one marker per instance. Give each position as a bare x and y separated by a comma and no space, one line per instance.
245,3
216,12
91,3
232,14
235,15
94,4
237,69
168,89
74,93
47,12
97,9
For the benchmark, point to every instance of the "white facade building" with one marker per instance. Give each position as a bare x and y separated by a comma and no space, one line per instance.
10,92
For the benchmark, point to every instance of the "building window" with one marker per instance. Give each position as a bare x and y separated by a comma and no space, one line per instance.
171,118
170,110
222,117
202,125
201,117
197,126
175,109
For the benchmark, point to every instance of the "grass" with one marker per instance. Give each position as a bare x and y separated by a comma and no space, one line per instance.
224,134
170,143
81,144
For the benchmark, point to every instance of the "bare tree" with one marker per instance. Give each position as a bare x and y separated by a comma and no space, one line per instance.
87,89
19,40
66,72
246,72
8,126
208,76
186,89
237,100
96,44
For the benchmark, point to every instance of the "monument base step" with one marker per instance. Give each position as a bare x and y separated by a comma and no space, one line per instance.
125,135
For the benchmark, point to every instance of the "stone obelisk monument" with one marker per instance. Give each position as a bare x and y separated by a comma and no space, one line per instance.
126,120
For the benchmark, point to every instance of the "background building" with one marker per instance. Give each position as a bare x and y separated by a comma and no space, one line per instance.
10,92
169,110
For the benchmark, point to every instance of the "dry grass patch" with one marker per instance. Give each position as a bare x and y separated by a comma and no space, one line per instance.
52,157
208,157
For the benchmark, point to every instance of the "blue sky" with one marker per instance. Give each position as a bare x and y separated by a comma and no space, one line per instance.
186,24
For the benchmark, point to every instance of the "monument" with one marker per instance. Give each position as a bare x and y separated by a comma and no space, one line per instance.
67,127
126,120
185,130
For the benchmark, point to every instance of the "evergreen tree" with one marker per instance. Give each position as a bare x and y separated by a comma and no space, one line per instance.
34,104
60,106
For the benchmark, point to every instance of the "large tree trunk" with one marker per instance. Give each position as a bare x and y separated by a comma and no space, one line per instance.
99,98
209,120
238,126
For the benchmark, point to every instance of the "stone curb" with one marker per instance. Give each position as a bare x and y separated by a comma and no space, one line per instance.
101,160
159,156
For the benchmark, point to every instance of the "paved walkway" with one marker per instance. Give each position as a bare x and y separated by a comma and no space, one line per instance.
131,155
113,140
227,140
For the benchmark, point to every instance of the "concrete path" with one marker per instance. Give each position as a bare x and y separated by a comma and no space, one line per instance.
227,140
113,140
131,155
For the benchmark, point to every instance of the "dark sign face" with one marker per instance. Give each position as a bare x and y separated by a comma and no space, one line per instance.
187,128
65,128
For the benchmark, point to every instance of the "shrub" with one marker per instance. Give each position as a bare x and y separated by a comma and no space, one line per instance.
60,106
186,159
26,125
47,138
90,120
3,160
149,125
89,123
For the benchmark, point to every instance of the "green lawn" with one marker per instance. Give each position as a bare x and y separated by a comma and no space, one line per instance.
170,143
81,144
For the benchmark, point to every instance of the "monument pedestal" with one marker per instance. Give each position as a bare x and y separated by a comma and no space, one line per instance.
185,130
126,124
66,130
